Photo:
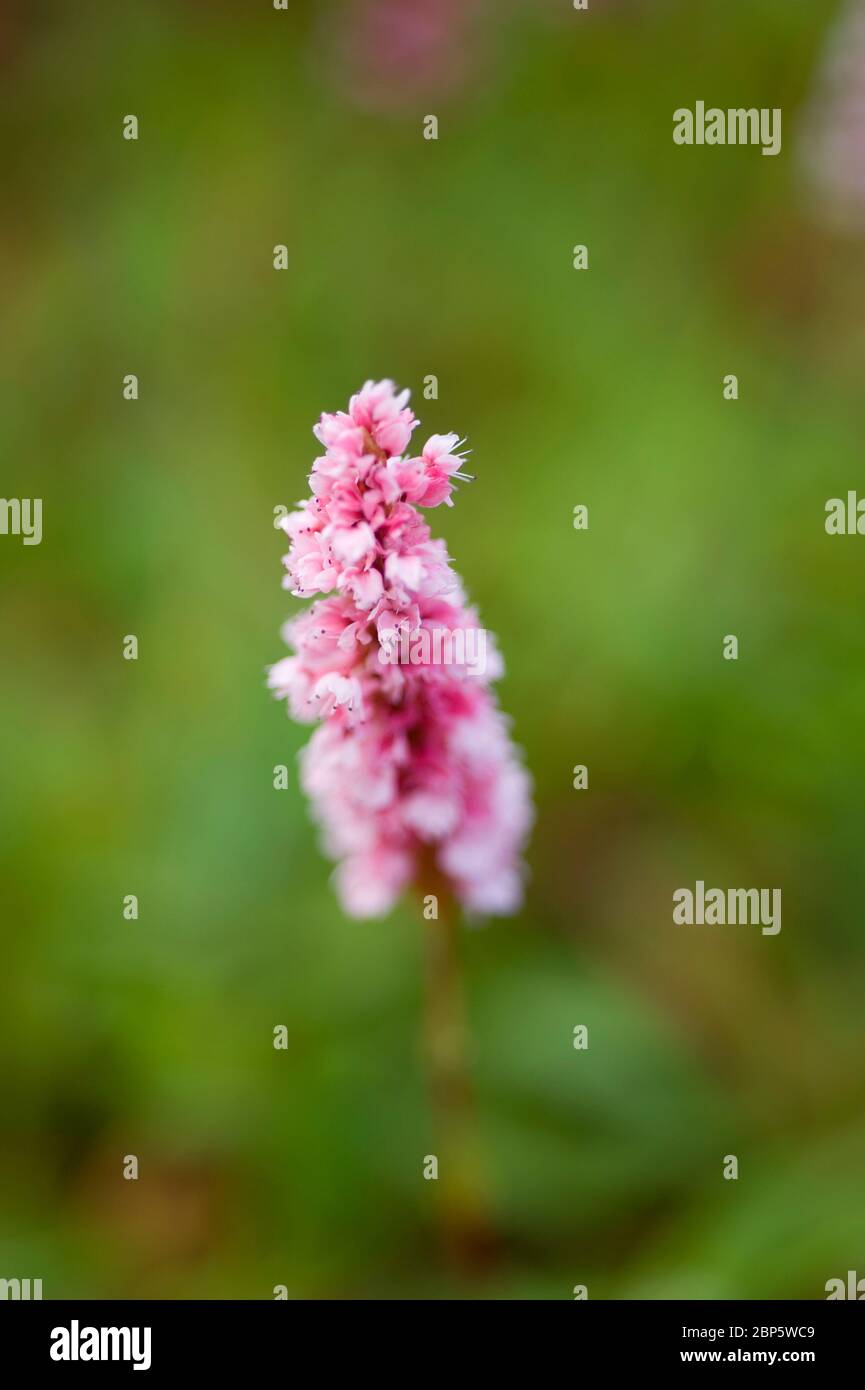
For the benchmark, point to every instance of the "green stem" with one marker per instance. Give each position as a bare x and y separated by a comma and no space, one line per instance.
466,1230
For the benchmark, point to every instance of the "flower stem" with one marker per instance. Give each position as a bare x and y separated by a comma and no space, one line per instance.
467,1235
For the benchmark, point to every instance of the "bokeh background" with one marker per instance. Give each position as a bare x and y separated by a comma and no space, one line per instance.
409,257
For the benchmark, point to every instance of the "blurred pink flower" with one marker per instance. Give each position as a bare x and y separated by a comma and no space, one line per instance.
392,54
412,759
834,122
393,51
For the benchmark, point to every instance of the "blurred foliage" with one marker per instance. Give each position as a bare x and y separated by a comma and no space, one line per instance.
604,387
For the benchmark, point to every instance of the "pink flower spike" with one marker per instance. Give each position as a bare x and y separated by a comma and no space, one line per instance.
411,758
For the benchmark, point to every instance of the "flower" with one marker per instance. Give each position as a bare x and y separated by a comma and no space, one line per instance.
412,760
387,53
833,130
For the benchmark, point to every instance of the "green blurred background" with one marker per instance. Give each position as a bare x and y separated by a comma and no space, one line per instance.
409,257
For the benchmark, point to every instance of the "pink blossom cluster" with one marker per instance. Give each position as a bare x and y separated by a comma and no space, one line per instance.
411,769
